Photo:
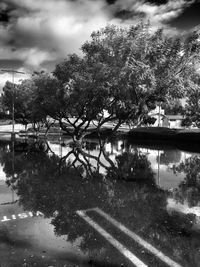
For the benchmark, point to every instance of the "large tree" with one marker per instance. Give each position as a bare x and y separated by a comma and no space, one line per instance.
122,75
124,72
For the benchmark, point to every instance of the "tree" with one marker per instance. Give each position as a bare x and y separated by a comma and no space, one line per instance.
24,105
132,167
86,93
22,98
124,72
192,107
173,107
27,108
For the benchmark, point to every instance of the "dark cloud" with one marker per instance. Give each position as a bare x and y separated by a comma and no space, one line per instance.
5,12
127,14
6,63
157,2
111,2
4,16
189,18
159,13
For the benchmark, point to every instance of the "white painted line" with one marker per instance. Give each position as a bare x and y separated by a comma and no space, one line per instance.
122,249
23,215
137,238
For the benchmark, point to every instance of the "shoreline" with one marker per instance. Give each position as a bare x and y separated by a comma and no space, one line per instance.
164,134
158,134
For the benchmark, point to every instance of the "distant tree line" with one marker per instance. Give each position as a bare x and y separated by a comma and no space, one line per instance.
123,74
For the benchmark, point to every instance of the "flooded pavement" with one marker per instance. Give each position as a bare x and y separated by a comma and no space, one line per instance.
123,205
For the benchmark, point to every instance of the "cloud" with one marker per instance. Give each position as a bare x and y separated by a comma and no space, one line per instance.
166,12
47,30
158,15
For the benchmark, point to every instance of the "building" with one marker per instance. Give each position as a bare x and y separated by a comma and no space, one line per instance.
164,120
172,121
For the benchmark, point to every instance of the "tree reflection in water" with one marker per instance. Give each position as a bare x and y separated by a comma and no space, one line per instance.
170,156
189,189
127,190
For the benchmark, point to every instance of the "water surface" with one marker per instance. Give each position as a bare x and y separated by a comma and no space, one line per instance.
152,190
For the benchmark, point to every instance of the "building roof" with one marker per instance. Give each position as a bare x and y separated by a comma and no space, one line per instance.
175,117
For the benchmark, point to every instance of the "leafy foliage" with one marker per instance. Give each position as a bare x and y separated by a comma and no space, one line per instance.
192,107
132,167
126,72
173,107
22,95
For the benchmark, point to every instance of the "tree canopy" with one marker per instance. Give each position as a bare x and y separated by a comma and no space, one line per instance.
127,72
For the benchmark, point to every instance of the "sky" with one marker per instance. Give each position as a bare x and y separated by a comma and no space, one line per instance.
37,34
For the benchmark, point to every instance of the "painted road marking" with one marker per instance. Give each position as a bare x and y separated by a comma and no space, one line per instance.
23,215
122,249
137,238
